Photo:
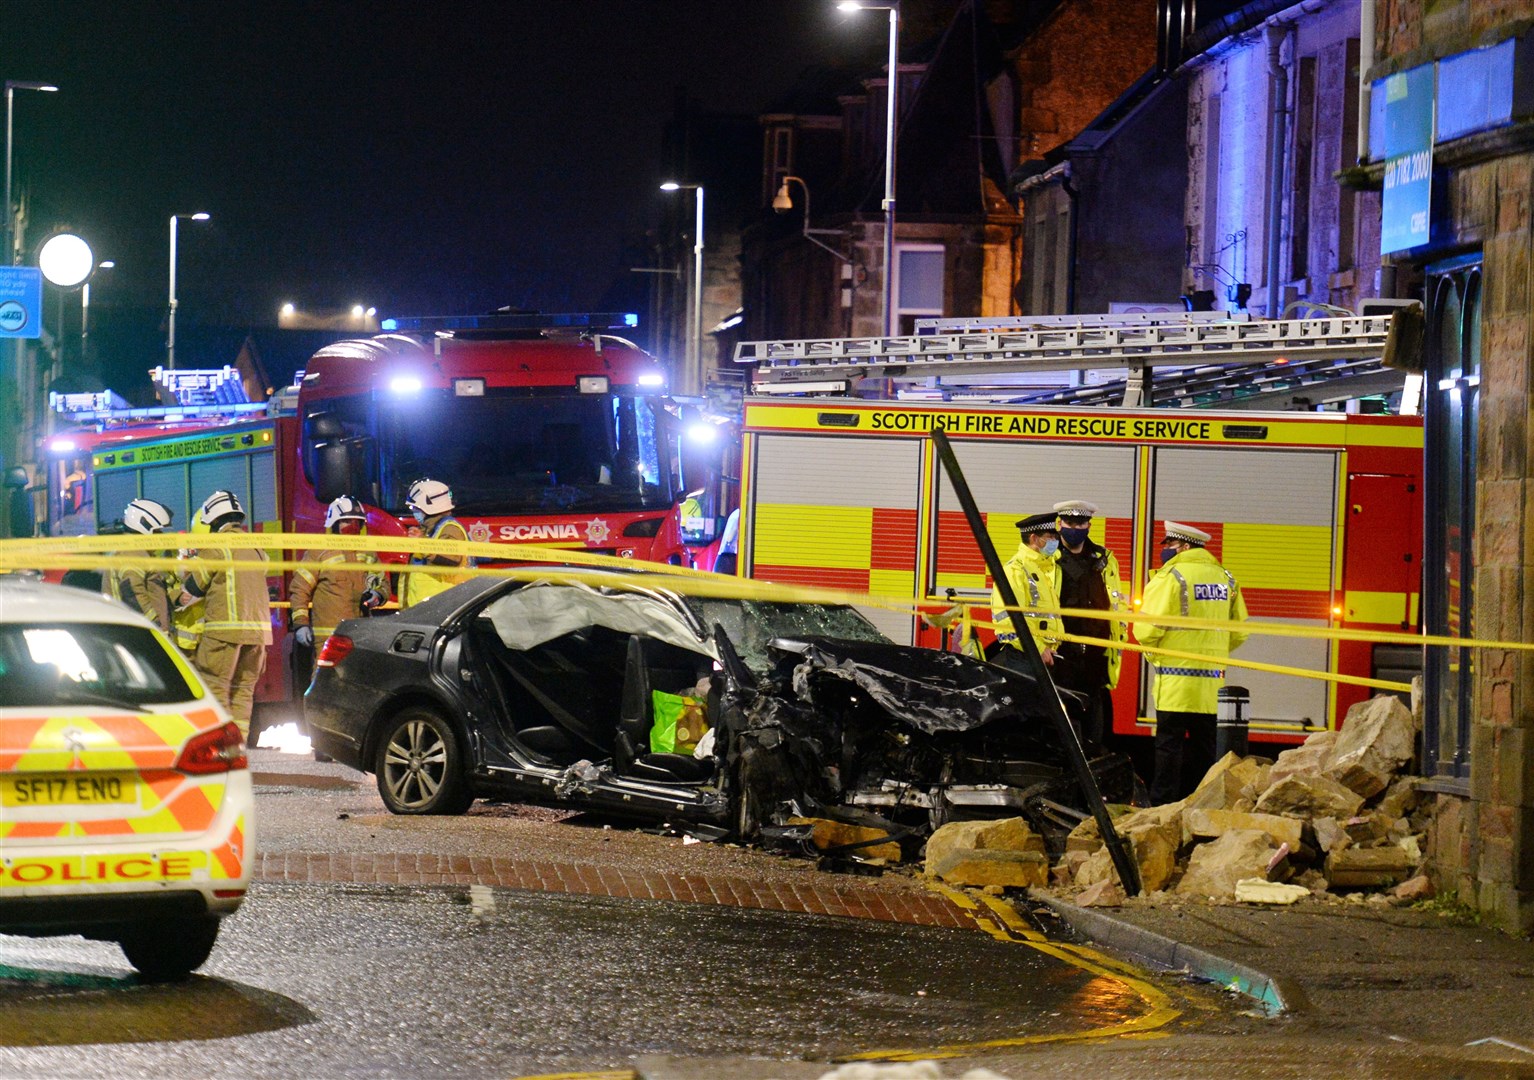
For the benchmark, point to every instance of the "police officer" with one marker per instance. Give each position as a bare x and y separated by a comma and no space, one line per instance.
1035,578
1190,583
1089,578
146,591
431,501
232,653
322,595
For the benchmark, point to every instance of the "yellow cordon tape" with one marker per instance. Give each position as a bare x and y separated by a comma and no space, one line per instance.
554,564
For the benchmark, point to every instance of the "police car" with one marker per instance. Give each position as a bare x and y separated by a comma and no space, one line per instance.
125,796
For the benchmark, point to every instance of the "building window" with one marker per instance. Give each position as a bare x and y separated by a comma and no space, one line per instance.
919,274
1452,399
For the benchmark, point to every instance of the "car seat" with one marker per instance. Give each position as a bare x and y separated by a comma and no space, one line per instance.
637,715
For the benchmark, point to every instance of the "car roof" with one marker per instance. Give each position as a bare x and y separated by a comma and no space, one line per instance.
27,601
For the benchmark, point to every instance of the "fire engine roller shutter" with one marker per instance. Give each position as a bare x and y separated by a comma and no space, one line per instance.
114,491
838,512
166,484
1271,516
1011,480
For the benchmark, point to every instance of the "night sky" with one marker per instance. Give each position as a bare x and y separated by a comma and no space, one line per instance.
421,158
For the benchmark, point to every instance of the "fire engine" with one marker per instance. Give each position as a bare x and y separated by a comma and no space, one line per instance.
1317,514
550,430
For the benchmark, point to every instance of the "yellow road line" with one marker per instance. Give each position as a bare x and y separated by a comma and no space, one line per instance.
1010,927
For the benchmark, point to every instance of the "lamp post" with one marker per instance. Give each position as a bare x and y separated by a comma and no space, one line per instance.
891,102
170,342
694,380
85,309
783,202
10,107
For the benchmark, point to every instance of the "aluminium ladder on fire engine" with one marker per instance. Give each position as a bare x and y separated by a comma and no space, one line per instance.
1061,343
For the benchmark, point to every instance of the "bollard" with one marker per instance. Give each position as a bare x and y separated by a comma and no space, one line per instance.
1230,732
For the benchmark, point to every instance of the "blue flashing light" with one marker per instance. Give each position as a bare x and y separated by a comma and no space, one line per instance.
508,321
405,384
630,319
703,434
652,378
389,324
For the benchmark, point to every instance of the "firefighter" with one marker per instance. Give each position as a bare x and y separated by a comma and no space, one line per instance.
431,501
146,591
1035,578
1089,578
323,596
232,653
190,612
1190,583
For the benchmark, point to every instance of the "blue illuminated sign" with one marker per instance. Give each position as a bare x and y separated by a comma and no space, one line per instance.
1407,204
21,302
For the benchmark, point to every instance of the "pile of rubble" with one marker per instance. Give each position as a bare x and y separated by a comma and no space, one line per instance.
1331,814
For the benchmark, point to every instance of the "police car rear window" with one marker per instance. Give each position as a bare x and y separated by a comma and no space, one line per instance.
86,664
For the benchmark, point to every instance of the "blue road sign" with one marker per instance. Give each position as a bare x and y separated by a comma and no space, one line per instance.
1408,199
21,302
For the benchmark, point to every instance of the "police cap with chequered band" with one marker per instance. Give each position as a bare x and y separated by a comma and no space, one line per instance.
1175,530
1035,523
1076,509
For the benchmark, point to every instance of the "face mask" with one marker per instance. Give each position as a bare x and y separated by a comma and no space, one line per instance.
1049,548
420,517
1168,554
1074,538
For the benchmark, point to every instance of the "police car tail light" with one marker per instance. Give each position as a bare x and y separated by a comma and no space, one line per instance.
219,750
337,647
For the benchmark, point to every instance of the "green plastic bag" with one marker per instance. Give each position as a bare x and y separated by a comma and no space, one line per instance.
679,723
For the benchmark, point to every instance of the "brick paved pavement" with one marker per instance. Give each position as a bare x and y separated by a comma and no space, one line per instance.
820,898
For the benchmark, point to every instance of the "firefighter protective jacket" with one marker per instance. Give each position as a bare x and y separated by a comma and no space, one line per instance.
239,609
1109,597
418,586
145,591
323,596
1035,579
1194,584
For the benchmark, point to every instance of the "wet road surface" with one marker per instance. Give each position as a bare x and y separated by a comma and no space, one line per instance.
400,981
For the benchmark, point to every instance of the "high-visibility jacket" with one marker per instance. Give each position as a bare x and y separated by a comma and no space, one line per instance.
1193,584
417,586
1035,579
145,591
1106,565
323,596
239,607
186,622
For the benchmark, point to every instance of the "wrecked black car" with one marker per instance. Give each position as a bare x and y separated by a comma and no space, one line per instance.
614,696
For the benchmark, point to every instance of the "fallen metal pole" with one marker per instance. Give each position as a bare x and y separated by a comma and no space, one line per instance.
1129,872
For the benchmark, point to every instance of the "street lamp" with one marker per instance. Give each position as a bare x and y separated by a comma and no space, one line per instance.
170,342
694,380
891,101
10,102
783,202
85,309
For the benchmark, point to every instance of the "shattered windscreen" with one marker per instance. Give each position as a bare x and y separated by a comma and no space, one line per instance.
751,624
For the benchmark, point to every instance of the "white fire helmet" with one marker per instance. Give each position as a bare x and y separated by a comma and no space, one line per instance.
219,506
344,508
147,516
430,497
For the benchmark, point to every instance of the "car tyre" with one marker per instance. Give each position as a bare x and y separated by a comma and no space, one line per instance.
419,765
168,951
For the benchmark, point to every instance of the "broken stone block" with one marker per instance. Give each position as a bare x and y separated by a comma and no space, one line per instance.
833,834
1308,759
1401,798
1223,786
1377,738
1329,833
1206,824
1215,867
1303,795
1313,880
1365,829
1151,847
1261,891
1413,889
1413,848
1103,894
1367,867
1279,868
1007,834
982,867
1084,837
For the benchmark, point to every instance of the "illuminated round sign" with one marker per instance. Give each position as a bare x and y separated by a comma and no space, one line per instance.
66,260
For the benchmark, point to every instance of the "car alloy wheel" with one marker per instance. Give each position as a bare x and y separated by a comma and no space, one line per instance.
419,766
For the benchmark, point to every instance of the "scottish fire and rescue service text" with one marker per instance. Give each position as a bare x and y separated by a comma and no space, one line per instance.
1091,427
